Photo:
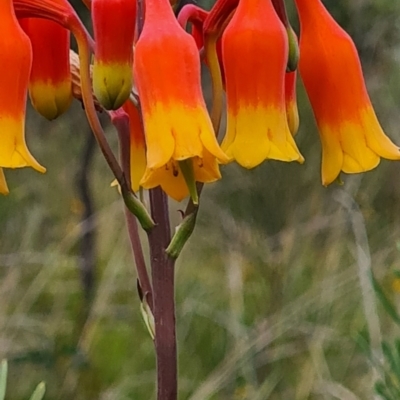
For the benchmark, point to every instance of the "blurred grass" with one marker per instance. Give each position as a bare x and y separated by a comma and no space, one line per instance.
269,304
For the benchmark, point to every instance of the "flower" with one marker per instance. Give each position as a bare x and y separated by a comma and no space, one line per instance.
176,122
50,80
352,138
15,65
255,54
114,30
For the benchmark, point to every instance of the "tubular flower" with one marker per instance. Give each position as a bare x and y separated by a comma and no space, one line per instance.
50,81
114,30
3,184
138,145
15,65
177,126
255,54
352,138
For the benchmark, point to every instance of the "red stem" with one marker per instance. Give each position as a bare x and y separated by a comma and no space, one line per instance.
163,271
120,120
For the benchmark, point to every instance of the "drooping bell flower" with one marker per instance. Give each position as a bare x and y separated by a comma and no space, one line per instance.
114,30
168,176
352,138
255,54
178,129
3,183
15,66
137,145
50,80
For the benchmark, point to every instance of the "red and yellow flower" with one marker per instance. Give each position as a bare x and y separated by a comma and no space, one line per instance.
352,138
255,54
114,31
50,80
15,66
176,122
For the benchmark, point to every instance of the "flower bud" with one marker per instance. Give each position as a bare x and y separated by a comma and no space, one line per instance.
50,80
114,29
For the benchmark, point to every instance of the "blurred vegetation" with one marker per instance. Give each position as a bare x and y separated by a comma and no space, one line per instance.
271,296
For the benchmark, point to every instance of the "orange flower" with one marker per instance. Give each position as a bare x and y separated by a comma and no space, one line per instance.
255,54
177,126
50,81
352,138
15,65
114,30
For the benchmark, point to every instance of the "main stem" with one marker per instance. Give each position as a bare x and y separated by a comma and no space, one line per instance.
163,274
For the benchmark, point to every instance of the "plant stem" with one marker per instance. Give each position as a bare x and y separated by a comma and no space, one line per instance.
163,271
120,119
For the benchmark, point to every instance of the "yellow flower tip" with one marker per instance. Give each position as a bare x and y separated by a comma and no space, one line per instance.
169,177
255,134
206,169
172,178
3,183
178,132
354,146
13,151
112,84
50,100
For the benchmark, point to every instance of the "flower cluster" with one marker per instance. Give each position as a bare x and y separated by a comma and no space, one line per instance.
147,66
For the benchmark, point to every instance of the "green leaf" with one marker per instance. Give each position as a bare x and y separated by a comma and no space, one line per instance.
39,392
3,379
391,358
381,390
387,305
148,317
